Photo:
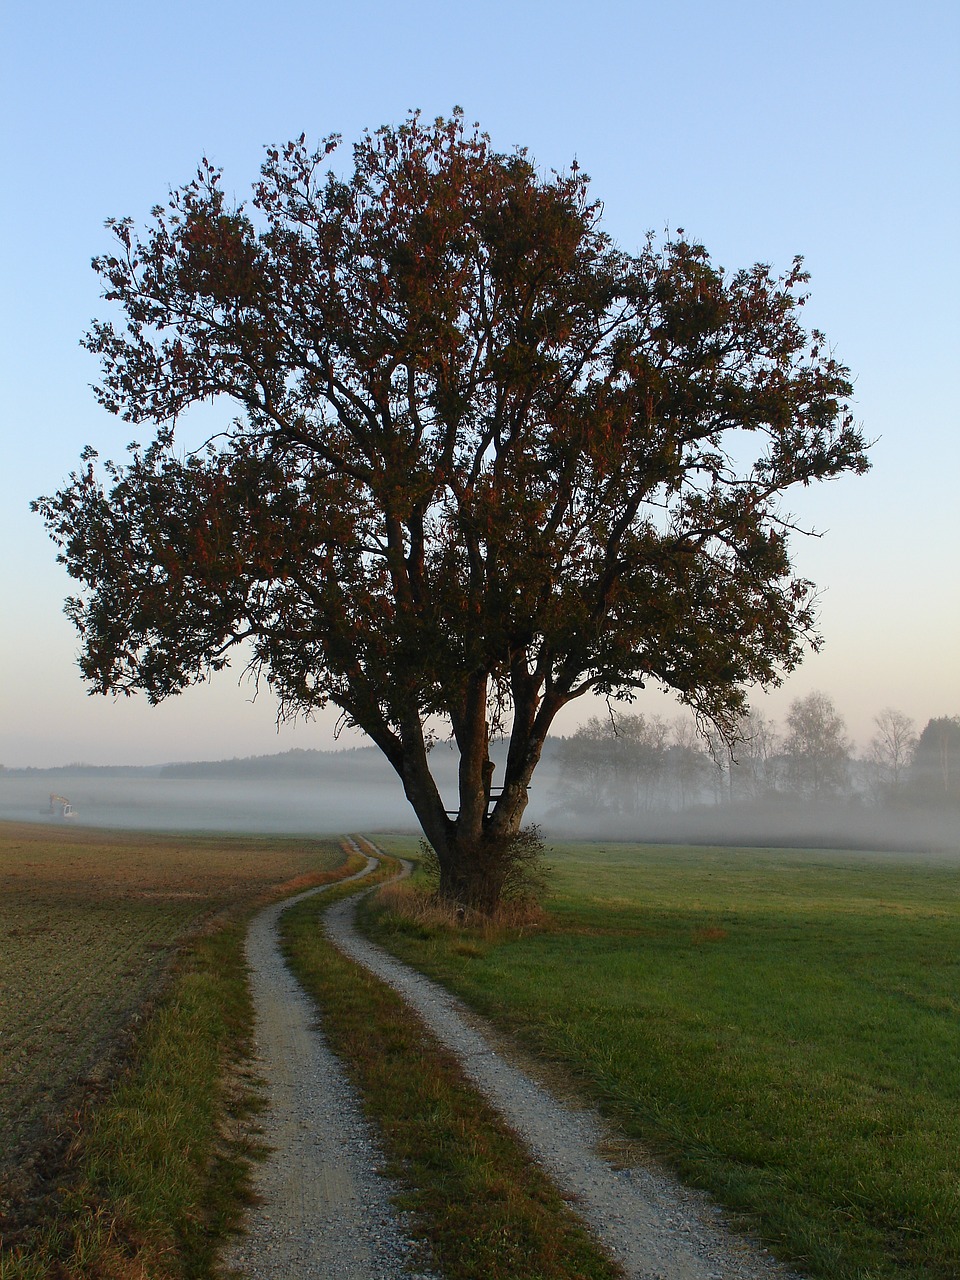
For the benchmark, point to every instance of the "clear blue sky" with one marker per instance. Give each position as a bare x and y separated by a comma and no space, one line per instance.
828,129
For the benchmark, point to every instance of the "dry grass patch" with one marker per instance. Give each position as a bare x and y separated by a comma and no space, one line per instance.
416,906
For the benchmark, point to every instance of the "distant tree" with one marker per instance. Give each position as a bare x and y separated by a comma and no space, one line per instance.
891,750
934,774
754,753
816,747
613,764
688,763
486,462
586,765
720,748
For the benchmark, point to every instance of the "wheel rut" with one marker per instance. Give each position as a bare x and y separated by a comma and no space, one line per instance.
323,1212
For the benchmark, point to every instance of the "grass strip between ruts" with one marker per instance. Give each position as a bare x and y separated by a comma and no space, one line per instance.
472,1192
159,1172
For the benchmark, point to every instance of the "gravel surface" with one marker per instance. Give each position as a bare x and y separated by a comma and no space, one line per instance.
323,1211
656,1229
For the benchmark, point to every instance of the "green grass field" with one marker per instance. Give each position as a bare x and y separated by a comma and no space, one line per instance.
781,1026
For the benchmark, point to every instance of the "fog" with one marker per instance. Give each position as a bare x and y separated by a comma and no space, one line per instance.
321,793
777,825
151,802
307,792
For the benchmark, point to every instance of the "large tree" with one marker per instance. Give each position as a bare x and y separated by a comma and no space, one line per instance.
486,461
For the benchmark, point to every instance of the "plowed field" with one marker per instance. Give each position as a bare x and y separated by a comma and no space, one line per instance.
88,922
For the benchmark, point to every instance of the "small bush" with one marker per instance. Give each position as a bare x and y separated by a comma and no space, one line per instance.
492,878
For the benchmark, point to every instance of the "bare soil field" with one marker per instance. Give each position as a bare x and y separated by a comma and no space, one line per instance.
89,920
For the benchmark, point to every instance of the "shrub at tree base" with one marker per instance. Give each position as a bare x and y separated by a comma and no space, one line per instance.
495,874
486,461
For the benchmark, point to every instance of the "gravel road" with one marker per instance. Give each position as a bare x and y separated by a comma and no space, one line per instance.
323,1211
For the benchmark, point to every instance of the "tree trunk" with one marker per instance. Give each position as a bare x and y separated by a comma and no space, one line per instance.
480,848
473,873
476,847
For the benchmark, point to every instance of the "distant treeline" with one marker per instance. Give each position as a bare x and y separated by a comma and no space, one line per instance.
85,770
297,763
349,765
635,764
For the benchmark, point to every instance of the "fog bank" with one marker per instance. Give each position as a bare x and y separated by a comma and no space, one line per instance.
782,825
324,793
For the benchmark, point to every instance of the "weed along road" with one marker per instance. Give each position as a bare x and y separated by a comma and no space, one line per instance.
325,1212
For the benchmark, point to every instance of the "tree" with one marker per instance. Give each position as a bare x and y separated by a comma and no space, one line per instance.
613,764
891,750
688,764
752,770
817,747
484,464
935,768
587,766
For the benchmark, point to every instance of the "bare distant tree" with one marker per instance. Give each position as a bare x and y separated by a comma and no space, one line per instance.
891,750
720,751
753,770
689,763
743,763
817,748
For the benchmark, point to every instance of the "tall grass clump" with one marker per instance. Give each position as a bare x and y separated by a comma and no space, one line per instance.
508,881
417,907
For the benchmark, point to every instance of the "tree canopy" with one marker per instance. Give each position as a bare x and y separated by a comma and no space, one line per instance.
486,460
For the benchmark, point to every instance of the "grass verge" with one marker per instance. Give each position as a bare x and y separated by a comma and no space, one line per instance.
472,1193
782,1026
154,1179
159,1169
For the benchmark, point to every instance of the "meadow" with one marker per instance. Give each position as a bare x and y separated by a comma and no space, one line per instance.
97,930
780,1026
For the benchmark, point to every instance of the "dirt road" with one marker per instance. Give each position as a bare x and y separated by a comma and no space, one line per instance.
325,1213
